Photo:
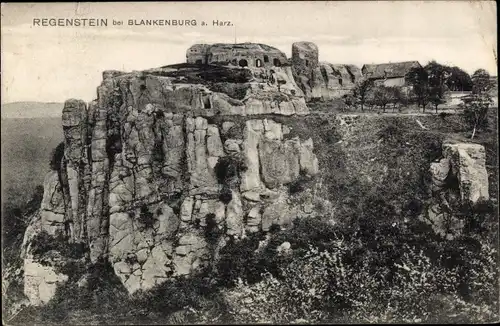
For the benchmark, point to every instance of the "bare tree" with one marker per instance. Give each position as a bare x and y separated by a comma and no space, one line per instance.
362,90
476,104
383,95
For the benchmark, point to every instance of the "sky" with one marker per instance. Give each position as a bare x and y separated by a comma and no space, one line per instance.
54,63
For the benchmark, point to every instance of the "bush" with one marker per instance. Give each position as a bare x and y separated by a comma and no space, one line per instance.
146,217
104,297
56,157
376,268
238,259
72,263
331,284
228,168
300,184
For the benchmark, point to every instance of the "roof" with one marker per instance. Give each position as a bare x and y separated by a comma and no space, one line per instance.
343,70
389,70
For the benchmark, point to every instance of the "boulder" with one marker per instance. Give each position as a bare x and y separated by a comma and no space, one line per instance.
468,162
41,281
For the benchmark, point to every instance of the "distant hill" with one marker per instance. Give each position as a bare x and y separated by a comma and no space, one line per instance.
27,144
31,110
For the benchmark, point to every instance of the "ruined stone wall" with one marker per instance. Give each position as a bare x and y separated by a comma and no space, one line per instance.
240,55
304,58
198,53
321,80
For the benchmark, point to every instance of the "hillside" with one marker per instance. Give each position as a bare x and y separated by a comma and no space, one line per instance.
26,149
31,110
218,193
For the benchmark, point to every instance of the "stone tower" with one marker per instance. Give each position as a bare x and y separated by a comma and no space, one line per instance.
304,57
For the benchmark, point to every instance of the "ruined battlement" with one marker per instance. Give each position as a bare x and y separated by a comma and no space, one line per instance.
241,54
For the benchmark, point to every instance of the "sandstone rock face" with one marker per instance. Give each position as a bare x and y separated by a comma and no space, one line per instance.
468,163
52,209
40,282
140,180
460,177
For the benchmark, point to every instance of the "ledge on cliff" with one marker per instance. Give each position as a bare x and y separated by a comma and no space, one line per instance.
202,73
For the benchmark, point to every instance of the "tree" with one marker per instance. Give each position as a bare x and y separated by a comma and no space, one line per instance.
398,97
349,100
481,82
436,96
361,91
431,83
437,75
383,95
476,104
458,80
418,78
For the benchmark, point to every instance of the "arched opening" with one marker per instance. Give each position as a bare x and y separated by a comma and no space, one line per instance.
199,62
243,63
266,58
258,63
340,81
307,63
206,102
276,62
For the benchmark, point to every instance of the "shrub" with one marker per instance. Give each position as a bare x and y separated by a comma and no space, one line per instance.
225,194
56,157
378,268
300,184
211,230
43,242
103,299
228,168
146,217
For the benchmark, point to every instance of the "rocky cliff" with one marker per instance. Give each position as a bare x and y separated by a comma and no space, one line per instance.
168,165
165,157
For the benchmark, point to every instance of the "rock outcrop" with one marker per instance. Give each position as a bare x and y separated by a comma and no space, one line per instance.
459,178
169,165
146,167
41,277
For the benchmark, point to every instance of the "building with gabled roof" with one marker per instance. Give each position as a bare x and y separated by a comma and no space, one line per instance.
389,74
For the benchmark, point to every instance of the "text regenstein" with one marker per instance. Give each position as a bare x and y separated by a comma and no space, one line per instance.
45,22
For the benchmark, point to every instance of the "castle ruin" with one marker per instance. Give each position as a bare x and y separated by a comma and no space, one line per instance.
318,80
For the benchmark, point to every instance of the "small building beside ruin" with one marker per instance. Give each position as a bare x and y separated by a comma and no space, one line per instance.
241,54
389,74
